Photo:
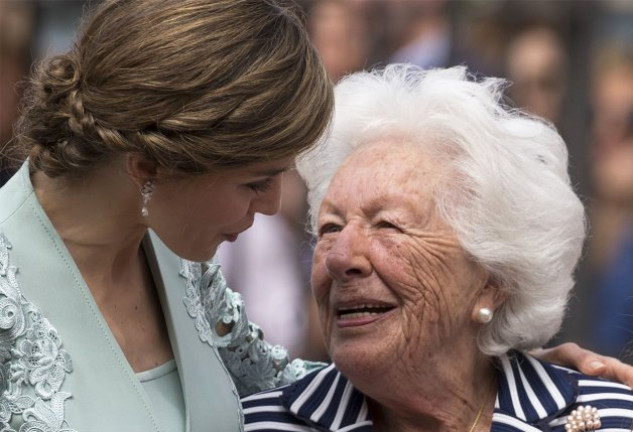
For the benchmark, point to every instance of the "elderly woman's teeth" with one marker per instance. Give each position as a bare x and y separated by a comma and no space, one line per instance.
362,311
357,315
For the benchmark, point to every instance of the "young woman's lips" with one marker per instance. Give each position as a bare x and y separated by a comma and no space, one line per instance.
361,315
233,236
230,237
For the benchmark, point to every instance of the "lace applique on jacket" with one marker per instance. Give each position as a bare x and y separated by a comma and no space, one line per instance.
33,363
221,321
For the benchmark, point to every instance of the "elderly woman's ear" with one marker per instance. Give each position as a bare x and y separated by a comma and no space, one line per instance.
490,298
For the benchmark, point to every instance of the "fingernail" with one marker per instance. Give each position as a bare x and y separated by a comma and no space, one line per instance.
596,364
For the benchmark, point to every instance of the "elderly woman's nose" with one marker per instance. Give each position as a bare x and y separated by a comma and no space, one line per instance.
347,258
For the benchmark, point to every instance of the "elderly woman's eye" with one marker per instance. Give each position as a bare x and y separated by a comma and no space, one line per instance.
388,225
329,228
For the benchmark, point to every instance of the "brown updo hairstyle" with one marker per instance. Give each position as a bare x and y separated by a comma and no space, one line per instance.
194,86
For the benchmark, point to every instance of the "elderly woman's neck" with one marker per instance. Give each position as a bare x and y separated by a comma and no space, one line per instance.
439,398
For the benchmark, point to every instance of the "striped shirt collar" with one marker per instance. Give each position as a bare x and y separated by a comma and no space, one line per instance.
532,392
327,399
530,395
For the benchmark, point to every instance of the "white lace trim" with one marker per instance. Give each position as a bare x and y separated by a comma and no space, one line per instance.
254,364
33,362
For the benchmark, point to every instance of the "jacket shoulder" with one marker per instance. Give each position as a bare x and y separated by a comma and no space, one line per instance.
613,401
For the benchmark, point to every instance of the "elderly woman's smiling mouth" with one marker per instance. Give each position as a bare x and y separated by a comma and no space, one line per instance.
360,313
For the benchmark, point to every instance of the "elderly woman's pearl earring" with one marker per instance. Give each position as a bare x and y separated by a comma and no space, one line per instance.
484,315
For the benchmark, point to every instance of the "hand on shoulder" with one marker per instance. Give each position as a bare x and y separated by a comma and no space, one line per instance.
588,362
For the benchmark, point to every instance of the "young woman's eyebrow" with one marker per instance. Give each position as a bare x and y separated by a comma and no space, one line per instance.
270,172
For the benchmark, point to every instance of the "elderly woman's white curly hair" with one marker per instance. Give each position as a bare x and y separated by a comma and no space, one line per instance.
510,201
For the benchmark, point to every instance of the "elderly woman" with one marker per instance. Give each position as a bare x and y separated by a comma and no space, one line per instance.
448,233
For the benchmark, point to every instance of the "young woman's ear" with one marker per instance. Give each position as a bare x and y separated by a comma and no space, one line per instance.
140,169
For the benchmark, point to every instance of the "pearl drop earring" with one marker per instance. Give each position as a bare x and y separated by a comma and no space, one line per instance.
484,315
146,192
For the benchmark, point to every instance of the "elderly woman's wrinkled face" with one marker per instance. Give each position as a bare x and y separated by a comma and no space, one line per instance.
389,275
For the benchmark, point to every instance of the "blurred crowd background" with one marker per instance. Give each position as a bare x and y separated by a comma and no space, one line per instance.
568,61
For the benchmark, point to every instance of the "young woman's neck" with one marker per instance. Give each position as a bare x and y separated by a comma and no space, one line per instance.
98,218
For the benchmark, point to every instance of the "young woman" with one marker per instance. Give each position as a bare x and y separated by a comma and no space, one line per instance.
157,137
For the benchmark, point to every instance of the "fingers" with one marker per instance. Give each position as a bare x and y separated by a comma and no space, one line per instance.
588,362
616,370
568,354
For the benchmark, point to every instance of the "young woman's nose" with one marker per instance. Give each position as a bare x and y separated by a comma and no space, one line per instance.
348,257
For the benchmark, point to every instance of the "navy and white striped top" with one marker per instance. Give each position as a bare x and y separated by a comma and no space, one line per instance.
533,396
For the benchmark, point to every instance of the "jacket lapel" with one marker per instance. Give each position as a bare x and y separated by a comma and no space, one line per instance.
102,389
211,399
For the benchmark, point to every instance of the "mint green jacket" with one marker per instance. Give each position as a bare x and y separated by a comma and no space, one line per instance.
61,368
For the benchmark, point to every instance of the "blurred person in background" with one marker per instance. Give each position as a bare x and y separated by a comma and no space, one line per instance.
536,65
16,31
338,29
421,32
610,247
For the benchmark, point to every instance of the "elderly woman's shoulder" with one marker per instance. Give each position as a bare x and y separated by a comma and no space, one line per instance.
531,393
599,400
612,401
543,394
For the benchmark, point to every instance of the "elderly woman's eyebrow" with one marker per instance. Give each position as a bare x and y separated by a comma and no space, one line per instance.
396,201
329,209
